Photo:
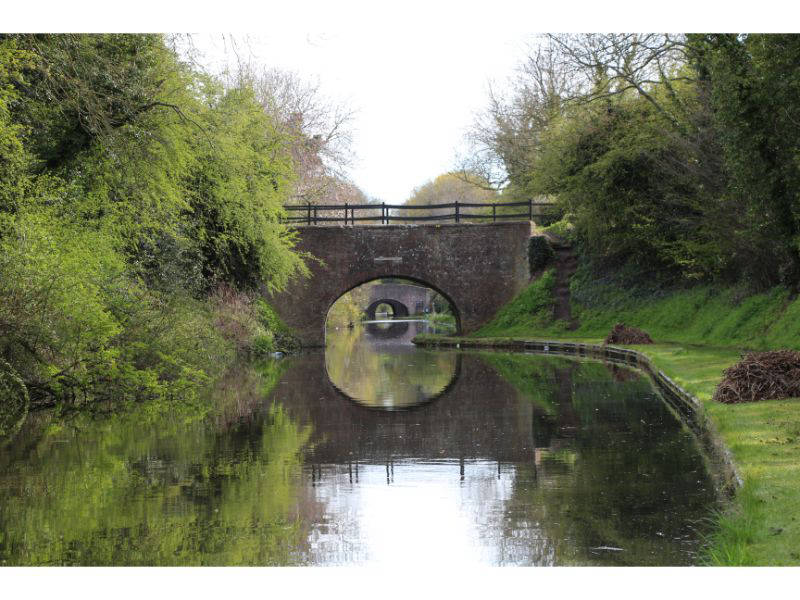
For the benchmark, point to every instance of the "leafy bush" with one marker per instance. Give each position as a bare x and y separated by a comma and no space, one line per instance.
132,186
14,400
284,340
562,228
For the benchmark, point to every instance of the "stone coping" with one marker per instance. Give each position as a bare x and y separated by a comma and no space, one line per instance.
688,408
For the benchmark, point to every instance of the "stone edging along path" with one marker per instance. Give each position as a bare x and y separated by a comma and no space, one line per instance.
689,409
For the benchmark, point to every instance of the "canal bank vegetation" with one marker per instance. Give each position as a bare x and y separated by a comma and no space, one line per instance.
139,218
674,161
672,158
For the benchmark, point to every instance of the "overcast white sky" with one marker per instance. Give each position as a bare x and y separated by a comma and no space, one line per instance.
414,93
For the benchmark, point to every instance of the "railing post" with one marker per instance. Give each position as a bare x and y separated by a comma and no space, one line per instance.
530,209
494,214
383,213
457,216
345,214
308,215
315,214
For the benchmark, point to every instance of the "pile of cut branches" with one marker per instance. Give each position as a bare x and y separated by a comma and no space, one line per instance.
761,376
622,334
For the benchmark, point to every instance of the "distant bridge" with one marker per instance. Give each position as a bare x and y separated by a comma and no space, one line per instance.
404,299
476,268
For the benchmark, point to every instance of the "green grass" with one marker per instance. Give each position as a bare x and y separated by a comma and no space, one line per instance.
440,318
700,315
531,310
762,527
699,333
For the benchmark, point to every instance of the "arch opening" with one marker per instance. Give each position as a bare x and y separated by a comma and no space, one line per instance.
392,297
369,353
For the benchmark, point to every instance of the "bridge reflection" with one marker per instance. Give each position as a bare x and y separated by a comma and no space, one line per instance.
477,416
395,330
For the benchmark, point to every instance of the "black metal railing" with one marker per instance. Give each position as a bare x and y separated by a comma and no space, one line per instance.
385,214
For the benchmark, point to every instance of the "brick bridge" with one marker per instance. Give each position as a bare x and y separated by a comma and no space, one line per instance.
404,299
476,267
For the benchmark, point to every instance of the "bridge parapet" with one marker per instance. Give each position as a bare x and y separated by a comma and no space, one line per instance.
386,214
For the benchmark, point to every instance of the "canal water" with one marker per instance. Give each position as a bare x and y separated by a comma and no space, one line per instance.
371,452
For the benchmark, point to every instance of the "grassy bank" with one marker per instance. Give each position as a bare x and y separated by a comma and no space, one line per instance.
762,527
700,332
701,315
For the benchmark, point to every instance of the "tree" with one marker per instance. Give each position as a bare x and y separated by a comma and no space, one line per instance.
131,185
676,153
753,85
506,138
606,65
451,187
319,129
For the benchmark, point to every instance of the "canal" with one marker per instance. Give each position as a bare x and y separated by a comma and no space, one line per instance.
372,451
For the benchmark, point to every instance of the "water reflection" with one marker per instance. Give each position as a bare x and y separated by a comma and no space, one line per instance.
521,460
376,364
525,460
390,330
150,486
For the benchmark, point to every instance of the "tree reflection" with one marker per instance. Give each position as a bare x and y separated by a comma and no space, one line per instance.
618,479
216,491
522,460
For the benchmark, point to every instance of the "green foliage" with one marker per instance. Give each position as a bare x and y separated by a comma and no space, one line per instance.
349,307
15,160
540,253
754,90
562,228
77,89
238,186
131,186
449,187
445,319
56,286
680,161
612,169
14,400
283,339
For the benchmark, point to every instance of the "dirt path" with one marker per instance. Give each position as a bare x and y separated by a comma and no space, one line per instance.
565,262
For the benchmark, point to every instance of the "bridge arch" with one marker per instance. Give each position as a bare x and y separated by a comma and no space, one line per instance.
476,268
399,308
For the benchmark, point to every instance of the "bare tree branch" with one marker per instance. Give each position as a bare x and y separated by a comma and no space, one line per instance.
611,64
